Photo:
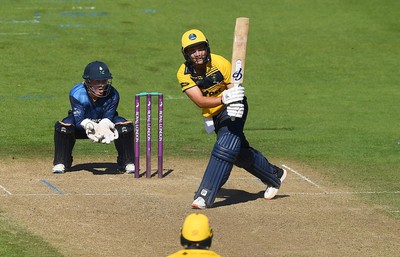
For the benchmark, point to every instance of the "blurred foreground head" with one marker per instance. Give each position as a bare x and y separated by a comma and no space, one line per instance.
196,232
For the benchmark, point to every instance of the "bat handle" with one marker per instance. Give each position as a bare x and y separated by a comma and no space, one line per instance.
233,118
236,84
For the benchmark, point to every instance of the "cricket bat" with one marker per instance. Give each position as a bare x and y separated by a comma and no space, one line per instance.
239,50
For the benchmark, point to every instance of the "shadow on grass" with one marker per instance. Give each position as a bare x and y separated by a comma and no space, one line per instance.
236,196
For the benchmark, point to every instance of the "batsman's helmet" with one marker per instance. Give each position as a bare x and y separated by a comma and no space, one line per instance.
196,230
97,71
194,37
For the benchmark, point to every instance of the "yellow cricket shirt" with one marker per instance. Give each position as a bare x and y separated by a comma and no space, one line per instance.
211,84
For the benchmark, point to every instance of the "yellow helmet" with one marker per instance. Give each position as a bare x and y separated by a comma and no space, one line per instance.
194,37
196,229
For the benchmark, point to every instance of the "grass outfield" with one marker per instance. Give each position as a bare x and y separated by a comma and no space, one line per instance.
15,241
321,77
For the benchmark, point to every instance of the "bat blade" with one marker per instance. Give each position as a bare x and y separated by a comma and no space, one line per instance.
239,50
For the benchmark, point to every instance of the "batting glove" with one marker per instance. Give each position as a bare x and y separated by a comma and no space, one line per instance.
234,94
235,110
90,127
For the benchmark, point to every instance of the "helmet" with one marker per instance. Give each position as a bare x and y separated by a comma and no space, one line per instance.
97,71
191,38
196,229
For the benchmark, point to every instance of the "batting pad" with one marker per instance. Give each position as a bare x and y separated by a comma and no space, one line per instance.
219,167
255,163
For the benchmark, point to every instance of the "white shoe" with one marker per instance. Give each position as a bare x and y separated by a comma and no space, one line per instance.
270,192
199,203
130,168
59,168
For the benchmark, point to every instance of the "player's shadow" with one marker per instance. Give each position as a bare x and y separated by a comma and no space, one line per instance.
154,173
107,168
97,168
235,196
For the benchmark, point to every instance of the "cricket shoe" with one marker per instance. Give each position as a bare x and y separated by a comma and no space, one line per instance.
59,168
271,191
199,203
130,168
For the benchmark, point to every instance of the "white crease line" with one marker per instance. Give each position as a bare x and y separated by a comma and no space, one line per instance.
155,194
88,194
346,193
304,177
5,190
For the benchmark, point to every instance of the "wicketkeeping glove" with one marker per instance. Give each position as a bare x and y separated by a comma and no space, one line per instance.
234,94
91,128
107,131
235,110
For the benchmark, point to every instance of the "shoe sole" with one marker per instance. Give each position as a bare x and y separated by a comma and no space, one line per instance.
196,206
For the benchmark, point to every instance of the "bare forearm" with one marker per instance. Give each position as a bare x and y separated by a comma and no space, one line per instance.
207,102
203,101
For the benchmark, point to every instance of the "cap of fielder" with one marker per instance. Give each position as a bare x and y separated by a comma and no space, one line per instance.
96,71
196,230
191,38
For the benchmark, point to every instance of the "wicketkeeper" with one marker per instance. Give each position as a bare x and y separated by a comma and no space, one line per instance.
206,80
94,115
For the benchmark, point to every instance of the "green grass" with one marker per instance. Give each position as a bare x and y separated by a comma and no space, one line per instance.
321,77
15,241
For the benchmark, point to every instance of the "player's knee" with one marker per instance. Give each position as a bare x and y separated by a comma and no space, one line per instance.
124,128
227,147
245,158
62,127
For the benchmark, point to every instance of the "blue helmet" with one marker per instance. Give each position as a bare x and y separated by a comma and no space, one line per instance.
97,71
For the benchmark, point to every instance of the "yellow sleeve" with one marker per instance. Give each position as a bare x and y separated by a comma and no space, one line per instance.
184,79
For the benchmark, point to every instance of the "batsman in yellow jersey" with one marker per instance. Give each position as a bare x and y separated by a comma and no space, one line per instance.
206,80
196,237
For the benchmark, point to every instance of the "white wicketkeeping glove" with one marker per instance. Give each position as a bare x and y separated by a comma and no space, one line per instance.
234,94
235,110
91,128
106,132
